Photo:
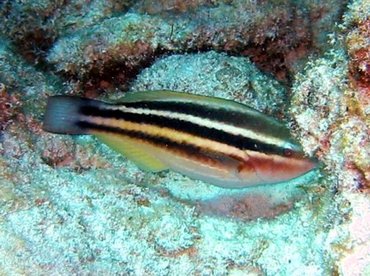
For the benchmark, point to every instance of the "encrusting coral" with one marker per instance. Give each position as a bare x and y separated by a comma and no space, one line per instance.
275,38
71,205
331,110
234,78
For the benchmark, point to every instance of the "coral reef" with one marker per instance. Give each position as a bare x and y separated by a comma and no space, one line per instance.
35,25
334,124
25,83
358,45
61,216
114,49
70,205
214,74
331,109
8,106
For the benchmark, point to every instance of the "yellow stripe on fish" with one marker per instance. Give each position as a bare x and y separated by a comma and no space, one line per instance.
177,136
219,141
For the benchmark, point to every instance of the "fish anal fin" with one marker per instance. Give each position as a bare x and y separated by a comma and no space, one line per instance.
134,151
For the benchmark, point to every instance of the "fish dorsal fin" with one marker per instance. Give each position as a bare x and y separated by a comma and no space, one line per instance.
167,95
134,151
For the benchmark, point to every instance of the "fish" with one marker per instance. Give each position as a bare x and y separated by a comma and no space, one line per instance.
218,141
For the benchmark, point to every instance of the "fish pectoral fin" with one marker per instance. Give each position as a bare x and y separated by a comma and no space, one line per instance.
134,151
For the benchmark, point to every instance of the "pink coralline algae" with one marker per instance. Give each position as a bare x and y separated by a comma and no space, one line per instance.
331,105
358,43
70,205
9,105
331,122
275,37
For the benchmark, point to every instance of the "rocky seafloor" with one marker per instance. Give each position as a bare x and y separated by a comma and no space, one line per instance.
71,205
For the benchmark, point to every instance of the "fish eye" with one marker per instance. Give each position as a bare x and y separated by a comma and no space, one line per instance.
287,152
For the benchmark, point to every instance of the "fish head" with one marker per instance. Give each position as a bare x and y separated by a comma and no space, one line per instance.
291,162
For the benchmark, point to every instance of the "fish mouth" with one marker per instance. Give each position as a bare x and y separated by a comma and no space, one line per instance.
313,163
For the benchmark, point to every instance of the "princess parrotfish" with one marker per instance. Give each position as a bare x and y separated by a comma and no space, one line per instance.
219,141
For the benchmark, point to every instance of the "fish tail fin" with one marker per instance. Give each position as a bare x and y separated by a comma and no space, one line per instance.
63,114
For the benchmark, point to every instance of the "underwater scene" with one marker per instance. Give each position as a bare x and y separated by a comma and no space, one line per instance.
194,137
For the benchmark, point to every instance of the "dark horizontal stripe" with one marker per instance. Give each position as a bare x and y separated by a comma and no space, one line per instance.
238,141
261,125
185,149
